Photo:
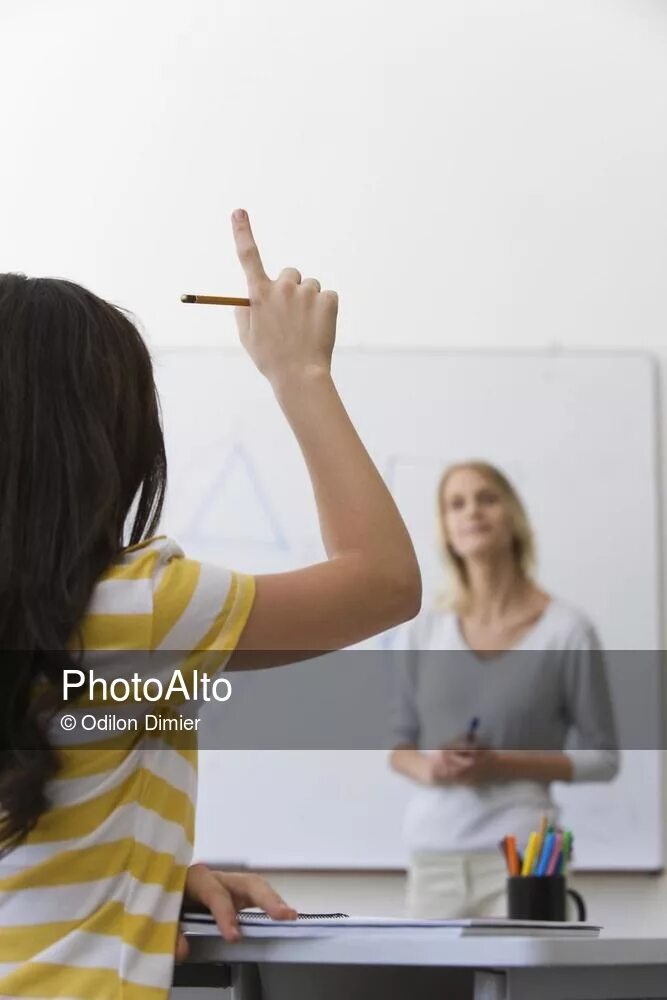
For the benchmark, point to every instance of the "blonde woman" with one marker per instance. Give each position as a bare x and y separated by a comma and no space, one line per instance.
503,691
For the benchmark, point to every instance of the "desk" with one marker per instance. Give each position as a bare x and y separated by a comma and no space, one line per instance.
428,963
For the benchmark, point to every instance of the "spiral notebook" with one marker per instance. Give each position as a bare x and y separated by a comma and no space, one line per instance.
255,923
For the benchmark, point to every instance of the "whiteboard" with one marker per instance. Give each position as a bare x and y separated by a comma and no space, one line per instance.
576,433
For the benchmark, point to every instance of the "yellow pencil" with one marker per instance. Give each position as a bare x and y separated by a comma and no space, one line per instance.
215,300
529,856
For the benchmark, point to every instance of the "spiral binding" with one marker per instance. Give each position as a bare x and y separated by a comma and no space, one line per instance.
250,915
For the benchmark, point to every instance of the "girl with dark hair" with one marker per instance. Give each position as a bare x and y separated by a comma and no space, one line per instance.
96,830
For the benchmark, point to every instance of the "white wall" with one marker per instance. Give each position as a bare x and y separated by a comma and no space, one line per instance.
467,173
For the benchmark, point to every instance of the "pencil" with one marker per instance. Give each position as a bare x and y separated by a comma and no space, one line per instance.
215,300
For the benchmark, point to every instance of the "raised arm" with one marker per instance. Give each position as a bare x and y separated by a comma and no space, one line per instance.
371,580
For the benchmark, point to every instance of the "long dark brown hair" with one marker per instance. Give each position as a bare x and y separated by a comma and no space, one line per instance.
82,473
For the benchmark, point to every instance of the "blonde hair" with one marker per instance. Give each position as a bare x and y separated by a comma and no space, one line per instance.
456,594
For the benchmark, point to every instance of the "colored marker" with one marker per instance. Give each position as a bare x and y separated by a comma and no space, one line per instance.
529,856
566,850
545,854
542,832
555,854
512,856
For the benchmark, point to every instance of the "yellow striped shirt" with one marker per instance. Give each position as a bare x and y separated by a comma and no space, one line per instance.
89,902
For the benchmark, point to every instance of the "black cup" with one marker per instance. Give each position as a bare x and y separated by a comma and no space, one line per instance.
541,897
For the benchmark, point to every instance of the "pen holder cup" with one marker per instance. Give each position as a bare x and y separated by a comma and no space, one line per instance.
541,897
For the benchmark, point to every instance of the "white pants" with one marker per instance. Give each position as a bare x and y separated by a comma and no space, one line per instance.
456,885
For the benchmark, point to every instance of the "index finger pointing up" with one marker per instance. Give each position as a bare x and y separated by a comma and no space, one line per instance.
246,249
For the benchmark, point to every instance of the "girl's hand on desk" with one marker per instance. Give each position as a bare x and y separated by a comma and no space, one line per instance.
224,894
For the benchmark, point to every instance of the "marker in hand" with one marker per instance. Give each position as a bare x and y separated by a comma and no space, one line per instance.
472,730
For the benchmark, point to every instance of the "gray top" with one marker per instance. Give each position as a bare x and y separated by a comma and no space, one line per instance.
550,693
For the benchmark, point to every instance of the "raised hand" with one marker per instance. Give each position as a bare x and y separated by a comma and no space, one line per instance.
290,327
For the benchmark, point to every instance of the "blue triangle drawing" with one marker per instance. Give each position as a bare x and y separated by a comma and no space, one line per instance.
252,509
